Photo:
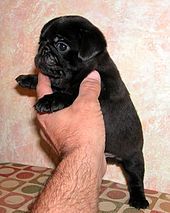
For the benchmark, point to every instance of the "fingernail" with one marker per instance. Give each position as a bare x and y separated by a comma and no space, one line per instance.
94,75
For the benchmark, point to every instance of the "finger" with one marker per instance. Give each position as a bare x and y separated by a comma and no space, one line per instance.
44,136
90,86
47,139
43,86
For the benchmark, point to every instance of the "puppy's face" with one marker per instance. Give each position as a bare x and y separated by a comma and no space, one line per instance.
68,45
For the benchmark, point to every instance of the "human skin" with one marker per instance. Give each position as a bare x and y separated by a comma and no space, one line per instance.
77,135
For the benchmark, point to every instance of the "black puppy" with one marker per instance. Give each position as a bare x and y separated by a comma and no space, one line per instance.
71,47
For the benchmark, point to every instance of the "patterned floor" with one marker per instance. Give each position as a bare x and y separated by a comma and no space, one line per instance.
20,184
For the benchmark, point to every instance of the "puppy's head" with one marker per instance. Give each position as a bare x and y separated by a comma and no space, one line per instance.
68,45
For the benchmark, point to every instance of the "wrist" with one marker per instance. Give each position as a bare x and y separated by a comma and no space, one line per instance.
82,147
92,157
82,181
74,186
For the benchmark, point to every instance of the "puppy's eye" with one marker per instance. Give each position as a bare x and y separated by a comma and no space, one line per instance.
62,47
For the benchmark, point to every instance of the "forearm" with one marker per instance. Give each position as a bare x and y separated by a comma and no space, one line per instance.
74,186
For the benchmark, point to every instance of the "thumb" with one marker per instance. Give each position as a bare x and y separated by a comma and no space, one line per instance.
43,86
90,87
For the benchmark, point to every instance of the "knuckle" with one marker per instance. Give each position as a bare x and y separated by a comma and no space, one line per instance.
91,84
84,105
90,87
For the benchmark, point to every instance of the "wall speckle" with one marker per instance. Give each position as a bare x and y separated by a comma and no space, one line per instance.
138,35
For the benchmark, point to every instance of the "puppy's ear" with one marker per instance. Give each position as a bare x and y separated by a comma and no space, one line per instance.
91,43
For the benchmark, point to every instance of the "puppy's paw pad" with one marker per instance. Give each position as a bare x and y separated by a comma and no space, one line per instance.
48,104
26,81
139,203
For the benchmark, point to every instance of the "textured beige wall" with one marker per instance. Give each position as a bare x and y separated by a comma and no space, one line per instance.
138,35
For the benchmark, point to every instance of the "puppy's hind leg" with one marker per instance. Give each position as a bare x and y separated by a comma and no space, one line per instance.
134,168
27,81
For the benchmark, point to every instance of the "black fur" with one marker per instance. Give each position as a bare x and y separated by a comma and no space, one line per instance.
70,48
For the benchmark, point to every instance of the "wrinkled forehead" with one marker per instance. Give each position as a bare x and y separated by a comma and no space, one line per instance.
56,30
65,27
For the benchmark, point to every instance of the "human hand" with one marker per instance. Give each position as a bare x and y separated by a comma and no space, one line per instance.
77,134
79,127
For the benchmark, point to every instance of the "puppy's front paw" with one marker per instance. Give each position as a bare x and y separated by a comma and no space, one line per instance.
27,81
48,104
138,203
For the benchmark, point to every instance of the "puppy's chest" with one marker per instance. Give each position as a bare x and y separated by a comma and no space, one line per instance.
61,86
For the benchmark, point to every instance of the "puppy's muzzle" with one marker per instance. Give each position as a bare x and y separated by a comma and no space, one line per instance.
47,60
